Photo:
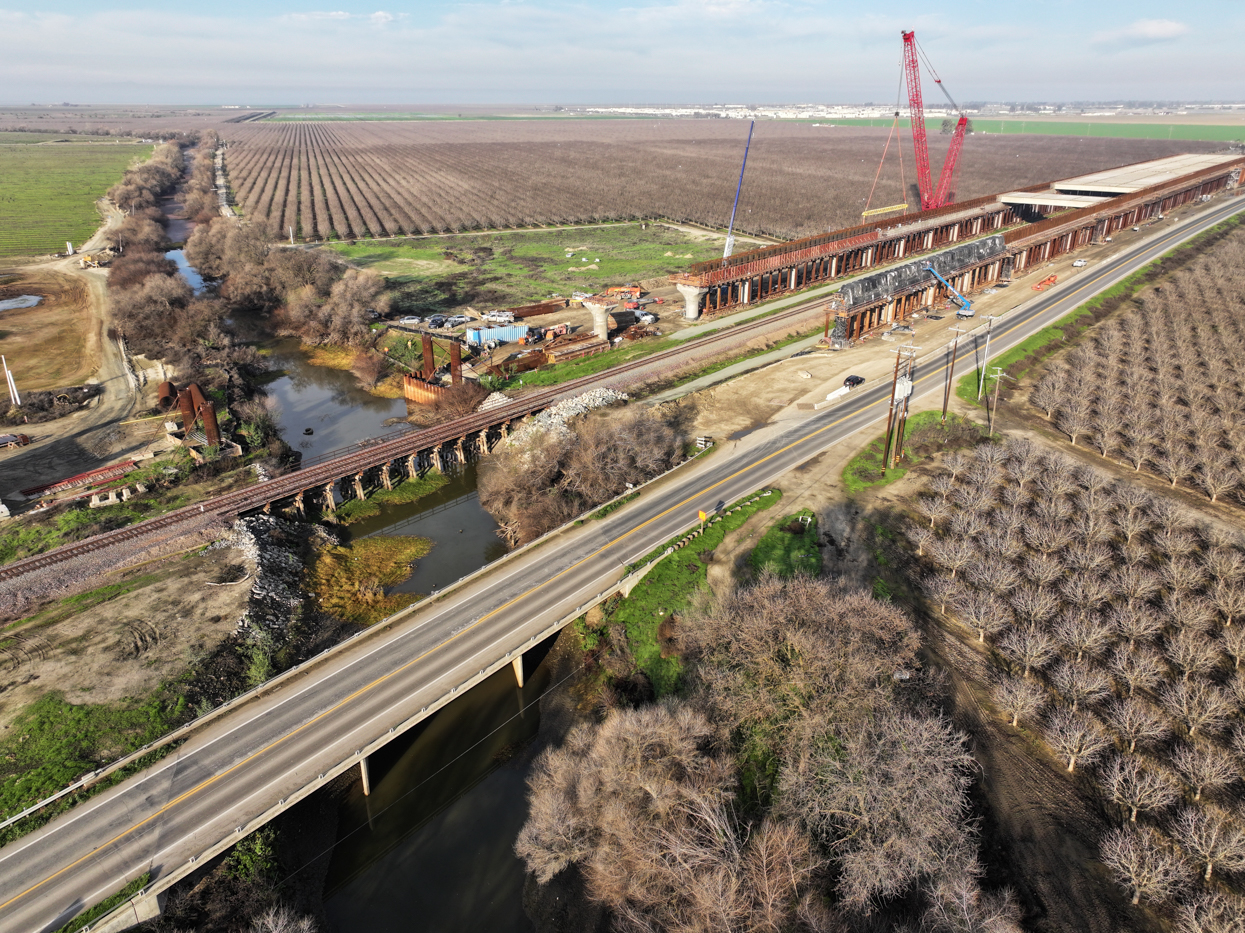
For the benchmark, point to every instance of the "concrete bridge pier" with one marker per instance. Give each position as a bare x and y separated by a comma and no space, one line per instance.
365,775
691,300
517,665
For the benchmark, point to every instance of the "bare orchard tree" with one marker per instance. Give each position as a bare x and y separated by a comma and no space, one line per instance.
1232,641
1196,705
1229,598
1140,668
1136,621
958,905
1079,683
1087,634
953,553
1028,648
1020,699
1135,722
1032,605
281,919
1211,838
983,613
1074,738
1204,769
943,590
1137,787
1143,864
1191,652
1212,912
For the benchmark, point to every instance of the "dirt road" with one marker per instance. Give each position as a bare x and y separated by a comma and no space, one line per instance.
83,440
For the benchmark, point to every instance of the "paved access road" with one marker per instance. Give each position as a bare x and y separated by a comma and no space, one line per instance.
271,748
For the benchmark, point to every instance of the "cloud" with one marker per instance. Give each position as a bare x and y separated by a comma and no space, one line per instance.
1143,32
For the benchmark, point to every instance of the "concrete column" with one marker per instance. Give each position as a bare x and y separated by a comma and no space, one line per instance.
367,778
691,300
517,665
601,316
384,476
330,505
791,280
900,249
746,297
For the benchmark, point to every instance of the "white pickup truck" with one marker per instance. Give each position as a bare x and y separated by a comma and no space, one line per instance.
499,317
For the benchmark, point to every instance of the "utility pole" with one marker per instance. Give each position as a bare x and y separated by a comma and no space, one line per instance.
946,392
890,417
981,385
906,387
998,376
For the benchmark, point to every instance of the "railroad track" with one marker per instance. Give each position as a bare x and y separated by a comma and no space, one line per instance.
381,450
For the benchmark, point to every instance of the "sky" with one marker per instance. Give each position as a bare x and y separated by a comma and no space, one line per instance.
263,52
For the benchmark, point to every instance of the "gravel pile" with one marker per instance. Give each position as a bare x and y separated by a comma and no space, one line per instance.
495,400
276,547
554,418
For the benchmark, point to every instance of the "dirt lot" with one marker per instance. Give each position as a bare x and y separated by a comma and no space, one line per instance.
179,609
46,345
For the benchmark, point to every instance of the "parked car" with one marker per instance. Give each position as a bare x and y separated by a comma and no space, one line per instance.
456,320
1080,263
437,320
852,381
648,317
410,320
499,317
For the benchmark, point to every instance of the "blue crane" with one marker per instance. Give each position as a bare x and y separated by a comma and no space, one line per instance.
966,306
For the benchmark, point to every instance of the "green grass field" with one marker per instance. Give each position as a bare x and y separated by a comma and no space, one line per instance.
48,192
495,269
1015,126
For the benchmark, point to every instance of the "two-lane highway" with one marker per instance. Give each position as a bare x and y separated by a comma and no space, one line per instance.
276,747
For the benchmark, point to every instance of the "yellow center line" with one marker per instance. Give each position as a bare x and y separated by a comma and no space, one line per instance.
386,677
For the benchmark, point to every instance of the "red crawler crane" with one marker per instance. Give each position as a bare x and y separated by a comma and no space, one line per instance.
945,193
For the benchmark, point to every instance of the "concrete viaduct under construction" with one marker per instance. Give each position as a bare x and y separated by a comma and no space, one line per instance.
972,244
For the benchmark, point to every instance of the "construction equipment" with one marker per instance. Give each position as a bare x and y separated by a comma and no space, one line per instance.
1049,280
621,290
966,306
730,231
92,262
944,194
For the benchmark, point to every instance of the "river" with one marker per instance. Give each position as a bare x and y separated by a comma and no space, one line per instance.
432,847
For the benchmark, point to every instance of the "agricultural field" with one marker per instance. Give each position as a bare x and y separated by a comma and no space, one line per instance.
48,192
1159,390
362,179
516,268
1112,623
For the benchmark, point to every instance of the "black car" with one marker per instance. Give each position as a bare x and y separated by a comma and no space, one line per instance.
437,320
852,381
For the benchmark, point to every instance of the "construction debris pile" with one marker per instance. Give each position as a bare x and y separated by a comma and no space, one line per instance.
553,419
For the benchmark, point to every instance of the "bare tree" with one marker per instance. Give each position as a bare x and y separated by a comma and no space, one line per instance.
935,509
1190,653
1232,641
1214,912
1019,699
1210,837
1034,606
1138,667
1029,647
1217,478
1229,599
983,613
1074,738
1225,563
1044,569
1175,465
1142,864
1204,769
954,554
1135,787
281,919
1196,705
1085,634
1135,722
942,590
1047,394
1078,683
1136,621
1076,421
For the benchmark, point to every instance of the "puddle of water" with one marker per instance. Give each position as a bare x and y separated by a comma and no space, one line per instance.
21,301
189,272
465,535
328,401
432,848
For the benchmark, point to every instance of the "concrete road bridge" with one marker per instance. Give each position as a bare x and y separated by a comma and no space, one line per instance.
1022,228
313,723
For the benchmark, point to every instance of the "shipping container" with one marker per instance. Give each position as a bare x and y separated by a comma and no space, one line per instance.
509,333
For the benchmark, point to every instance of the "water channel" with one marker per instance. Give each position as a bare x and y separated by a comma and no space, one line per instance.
432,847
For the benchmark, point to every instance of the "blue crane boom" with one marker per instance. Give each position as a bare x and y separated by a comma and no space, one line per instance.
966,306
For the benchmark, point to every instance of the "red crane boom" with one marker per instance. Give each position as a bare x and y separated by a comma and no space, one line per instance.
945,193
